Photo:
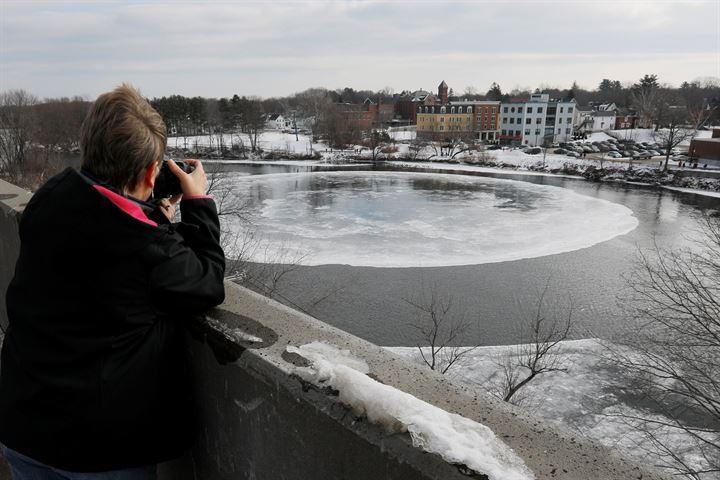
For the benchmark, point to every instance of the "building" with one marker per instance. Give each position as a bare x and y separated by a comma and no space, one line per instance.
365,116
706,150
275,121
407,106
625,120
539,121
487,116
485,121
446,121
595,118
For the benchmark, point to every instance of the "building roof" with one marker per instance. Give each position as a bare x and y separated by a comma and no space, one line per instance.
274,116
443,84
603,113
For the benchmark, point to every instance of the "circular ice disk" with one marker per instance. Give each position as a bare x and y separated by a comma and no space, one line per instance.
396,219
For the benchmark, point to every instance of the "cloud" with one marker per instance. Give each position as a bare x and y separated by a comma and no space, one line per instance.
274,48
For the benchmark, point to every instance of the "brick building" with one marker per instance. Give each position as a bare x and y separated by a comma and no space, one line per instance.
365,116
407,106
706,150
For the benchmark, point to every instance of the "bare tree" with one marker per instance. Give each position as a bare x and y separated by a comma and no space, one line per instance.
440,327
671,136
540,335
673,354
16,127
377,141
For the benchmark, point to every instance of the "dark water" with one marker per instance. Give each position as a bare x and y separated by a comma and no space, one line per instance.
494,298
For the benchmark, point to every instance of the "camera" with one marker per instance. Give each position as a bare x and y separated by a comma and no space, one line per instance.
166,183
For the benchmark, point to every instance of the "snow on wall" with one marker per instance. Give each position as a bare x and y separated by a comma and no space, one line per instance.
456,439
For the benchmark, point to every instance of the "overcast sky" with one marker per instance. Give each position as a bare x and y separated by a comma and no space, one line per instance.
271,48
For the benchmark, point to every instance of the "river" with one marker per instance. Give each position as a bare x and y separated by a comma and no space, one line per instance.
577,242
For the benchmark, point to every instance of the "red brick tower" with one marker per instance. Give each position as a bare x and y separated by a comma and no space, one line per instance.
443,93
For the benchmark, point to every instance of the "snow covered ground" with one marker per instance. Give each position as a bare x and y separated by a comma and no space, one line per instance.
643,135
269,141
588,398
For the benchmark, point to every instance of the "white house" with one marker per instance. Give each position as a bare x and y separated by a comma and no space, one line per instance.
275,121
595,118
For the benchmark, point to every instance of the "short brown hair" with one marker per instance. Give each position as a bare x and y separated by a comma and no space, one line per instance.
121,136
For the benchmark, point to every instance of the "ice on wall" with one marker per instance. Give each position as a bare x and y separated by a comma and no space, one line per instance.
397,219
456,439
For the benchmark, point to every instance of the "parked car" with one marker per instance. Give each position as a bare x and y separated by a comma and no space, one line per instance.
614,155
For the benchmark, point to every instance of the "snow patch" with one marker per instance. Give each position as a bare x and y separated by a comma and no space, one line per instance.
456,439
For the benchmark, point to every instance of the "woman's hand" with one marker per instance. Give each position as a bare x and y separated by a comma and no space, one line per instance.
167,206
193,184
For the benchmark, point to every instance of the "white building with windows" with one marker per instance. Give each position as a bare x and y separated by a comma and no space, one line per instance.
539,121
275,121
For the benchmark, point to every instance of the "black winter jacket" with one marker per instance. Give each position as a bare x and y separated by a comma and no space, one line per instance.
92,373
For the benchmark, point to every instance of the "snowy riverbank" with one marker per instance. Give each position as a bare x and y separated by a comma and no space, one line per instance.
591,397
282,148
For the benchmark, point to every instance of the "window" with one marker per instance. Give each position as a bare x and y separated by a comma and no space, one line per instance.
442,109
517,133
570,109
452,110
493,110
505,109
529,110
504,132
558,131
442,128
469,110
442,119
540,109
561,109
527,131
537,131
420,109
520,109
538,120
504,120
528,121
567,130
512,120
512,109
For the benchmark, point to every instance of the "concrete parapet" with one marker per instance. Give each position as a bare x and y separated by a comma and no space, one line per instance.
12,202
256,419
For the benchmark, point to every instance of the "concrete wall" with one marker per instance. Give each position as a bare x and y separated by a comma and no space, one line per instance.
258,420
12,202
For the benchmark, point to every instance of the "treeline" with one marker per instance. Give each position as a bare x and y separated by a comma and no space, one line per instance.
35,134
37,131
